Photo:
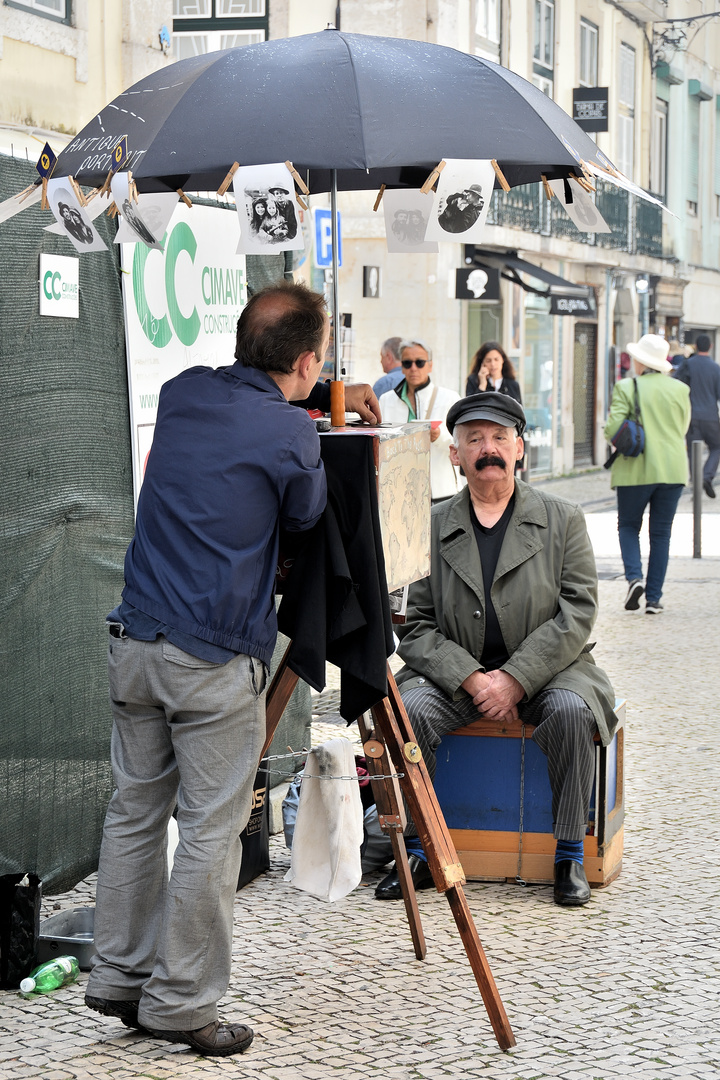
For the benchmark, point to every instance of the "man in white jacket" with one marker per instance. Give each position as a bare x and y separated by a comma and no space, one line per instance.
416,397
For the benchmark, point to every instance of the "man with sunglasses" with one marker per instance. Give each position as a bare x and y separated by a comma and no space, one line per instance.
416,397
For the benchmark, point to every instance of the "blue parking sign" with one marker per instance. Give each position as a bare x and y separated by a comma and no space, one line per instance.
323,238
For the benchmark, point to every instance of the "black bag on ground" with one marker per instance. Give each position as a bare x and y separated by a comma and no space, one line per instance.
256,834
20,898
629,439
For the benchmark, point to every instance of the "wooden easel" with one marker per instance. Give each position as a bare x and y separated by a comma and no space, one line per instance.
392,742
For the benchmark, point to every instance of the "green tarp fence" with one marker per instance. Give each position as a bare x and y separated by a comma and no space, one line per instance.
66,518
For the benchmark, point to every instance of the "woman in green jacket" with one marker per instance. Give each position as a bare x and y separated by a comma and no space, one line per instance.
657,476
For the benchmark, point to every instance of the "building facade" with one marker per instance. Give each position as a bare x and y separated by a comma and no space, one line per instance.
654,271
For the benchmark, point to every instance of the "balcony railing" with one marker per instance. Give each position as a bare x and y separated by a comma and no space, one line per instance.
636,225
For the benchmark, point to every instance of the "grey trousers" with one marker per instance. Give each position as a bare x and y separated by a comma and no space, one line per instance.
186,731
564,732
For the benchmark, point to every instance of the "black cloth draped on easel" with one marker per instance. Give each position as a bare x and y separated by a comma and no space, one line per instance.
335,599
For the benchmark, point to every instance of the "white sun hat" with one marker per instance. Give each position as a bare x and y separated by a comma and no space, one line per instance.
651,351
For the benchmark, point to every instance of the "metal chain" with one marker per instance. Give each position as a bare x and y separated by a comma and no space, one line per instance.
518,876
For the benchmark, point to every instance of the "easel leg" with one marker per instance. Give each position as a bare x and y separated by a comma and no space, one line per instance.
392,721
391,815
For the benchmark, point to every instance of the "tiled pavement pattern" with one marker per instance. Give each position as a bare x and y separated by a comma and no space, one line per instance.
627,986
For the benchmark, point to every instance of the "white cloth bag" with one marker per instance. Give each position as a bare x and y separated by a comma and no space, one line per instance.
329,828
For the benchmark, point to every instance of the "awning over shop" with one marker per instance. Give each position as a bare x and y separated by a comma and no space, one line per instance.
566,297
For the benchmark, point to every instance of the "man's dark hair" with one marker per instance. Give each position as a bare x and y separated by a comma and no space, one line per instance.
702,343
277,325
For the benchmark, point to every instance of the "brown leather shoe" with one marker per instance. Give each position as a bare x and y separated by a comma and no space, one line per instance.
213,1040
127,1011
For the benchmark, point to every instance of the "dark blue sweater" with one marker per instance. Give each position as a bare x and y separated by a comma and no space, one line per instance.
231,461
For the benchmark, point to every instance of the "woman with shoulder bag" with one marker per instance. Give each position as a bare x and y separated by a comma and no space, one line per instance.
655,477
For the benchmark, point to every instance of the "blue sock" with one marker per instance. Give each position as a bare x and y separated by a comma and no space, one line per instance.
414,847
569,849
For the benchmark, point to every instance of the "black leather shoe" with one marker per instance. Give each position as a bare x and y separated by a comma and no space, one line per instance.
127,1011
571,885
389,887
213,1040
709,489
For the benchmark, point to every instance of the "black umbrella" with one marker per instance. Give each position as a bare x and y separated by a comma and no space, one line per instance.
349,110
374,110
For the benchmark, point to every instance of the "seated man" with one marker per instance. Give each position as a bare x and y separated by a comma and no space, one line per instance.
501,626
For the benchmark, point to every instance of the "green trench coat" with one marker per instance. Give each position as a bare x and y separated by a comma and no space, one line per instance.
544,593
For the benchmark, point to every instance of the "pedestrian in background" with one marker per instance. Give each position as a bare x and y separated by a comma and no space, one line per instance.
702,375
654,478
416,397
492,370
390,363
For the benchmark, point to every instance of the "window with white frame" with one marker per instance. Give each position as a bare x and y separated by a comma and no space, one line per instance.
202,26
544,35
546,85
625,150
487,20
57,9
658,180
693,155
588,53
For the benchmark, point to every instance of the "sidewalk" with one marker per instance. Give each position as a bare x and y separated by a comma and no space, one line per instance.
627,986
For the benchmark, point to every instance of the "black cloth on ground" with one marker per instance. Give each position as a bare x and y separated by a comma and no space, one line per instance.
335,600
490,541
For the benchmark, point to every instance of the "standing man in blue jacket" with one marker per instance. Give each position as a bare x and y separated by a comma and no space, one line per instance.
702,375
232,462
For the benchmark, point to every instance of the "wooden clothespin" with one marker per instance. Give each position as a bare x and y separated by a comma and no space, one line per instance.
183,196
584,183
23,195
132,188
548,190
112,210
500,175
106,186
301,201
76,188
297,178
44,205
379,197
228,179
433,177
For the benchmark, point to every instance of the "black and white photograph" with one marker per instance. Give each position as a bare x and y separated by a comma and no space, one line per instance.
267,209
462,201
73,218
145,220
407,212
579,206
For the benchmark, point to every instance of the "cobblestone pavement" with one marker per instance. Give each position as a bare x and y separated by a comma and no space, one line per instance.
627,986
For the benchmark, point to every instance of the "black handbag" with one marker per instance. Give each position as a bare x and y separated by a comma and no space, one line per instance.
629,439
255,836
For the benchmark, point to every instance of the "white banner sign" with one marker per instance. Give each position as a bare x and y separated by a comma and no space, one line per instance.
181,310
60,286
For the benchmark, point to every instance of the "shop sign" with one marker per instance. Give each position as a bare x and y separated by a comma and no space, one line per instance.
590,107
182,305
573,305
477,283
60,286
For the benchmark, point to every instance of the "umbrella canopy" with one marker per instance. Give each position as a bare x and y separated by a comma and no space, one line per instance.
373,110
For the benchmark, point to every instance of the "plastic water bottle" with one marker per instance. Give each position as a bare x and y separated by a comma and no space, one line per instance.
51,975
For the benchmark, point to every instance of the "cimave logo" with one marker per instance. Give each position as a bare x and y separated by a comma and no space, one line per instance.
55,288
219,286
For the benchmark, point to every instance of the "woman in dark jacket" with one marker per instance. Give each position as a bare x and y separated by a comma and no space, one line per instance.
492,370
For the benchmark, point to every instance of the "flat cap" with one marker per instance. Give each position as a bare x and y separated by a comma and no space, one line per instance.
499,408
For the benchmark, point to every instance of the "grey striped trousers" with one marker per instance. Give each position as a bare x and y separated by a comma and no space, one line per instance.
564,732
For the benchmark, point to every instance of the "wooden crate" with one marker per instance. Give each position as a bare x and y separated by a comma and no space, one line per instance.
478,787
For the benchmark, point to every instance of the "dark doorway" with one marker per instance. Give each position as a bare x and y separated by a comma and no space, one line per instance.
584,369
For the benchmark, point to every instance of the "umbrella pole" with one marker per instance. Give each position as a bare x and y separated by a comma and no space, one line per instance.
337,387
